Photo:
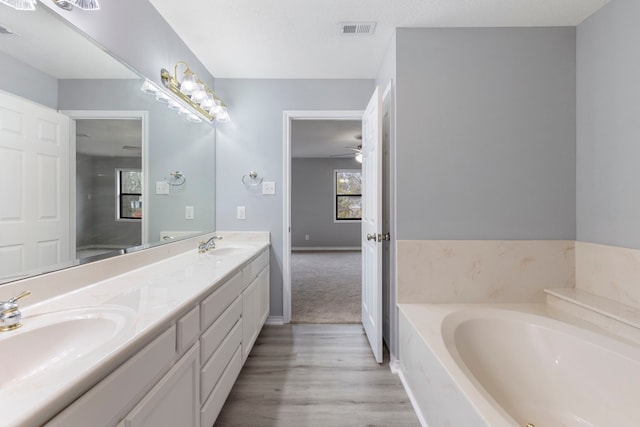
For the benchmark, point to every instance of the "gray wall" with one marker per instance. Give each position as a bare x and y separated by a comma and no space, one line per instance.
95,215
253,141
486,133
312,205
27,82
174,144
608,148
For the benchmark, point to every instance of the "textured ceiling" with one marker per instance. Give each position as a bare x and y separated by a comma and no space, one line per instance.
300,38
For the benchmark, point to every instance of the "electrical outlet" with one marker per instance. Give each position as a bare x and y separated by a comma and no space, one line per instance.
162,187
269,187
241,214
306,237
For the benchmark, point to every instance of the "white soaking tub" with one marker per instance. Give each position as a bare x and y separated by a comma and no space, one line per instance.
482,365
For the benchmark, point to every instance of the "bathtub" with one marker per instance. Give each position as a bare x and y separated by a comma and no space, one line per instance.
483,365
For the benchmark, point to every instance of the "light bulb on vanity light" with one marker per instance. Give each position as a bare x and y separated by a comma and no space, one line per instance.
188,85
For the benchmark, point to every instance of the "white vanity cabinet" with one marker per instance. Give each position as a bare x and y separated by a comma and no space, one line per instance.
183,377
175,400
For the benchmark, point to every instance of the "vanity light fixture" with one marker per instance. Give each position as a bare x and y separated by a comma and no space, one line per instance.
64,4
172,102
20,4
189,90
86,4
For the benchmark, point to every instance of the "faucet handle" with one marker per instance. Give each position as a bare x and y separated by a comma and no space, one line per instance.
10,314
21,295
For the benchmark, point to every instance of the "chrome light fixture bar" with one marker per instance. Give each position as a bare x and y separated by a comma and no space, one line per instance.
195,94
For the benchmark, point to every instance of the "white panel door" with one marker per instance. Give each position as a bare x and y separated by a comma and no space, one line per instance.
372,224
34,189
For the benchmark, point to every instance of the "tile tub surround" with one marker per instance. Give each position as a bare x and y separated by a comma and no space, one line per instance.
609,271
159,286
483,271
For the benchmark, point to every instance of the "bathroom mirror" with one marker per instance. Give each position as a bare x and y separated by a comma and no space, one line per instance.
117,130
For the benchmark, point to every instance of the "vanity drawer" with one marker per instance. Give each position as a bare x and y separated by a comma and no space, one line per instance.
211,339
251,271
212,370
188,330
111,399
212,407
216,303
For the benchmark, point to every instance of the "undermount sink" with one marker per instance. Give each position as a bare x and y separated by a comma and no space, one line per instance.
48,343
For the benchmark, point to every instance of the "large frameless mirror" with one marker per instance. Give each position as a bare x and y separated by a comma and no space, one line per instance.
92,166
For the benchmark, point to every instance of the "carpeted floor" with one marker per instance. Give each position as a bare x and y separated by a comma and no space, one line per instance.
325,286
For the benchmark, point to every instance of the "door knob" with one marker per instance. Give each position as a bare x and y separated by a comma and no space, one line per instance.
371,237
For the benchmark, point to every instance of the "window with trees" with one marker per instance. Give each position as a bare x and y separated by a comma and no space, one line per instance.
348,195
129,194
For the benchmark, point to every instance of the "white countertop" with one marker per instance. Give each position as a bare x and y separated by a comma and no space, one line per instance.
146,300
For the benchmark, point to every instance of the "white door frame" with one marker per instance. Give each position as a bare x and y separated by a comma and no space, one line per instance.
105,115
288,117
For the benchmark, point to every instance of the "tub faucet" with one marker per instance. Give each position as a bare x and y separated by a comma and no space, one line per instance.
209,244
9,314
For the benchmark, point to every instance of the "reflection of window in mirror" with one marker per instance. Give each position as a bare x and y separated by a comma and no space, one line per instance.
129,194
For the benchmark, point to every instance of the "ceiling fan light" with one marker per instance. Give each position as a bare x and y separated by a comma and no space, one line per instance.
20,4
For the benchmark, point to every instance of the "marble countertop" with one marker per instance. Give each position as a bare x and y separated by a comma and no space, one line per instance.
144,301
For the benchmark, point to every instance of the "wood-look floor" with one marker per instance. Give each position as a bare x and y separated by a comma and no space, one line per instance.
315,375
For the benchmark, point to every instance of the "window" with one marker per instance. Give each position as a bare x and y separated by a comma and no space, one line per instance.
348,191
129,194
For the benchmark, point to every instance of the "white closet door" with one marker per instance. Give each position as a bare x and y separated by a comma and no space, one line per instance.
34,186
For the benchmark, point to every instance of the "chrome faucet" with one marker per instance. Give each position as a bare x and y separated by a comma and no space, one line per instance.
209,244
9,314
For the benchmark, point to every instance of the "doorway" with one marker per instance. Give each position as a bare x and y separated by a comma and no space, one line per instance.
326,193
109,184
302,238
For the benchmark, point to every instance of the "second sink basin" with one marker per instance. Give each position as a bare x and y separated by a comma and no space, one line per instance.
48,343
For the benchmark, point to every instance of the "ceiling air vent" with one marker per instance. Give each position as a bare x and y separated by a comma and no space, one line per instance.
356,28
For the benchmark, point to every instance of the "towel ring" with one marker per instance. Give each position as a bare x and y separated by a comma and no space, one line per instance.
178,179
252,179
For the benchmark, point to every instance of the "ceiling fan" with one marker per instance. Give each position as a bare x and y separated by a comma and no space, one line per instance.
356,153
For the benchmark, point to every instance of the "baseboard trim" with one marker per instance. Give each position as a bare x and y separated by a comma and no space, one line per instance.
275,320
412,398
328,248
394,366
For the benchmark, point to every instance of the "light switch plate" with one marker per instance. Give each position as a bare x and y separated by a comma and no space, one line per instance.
269,187
241,214
188,212
162,187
